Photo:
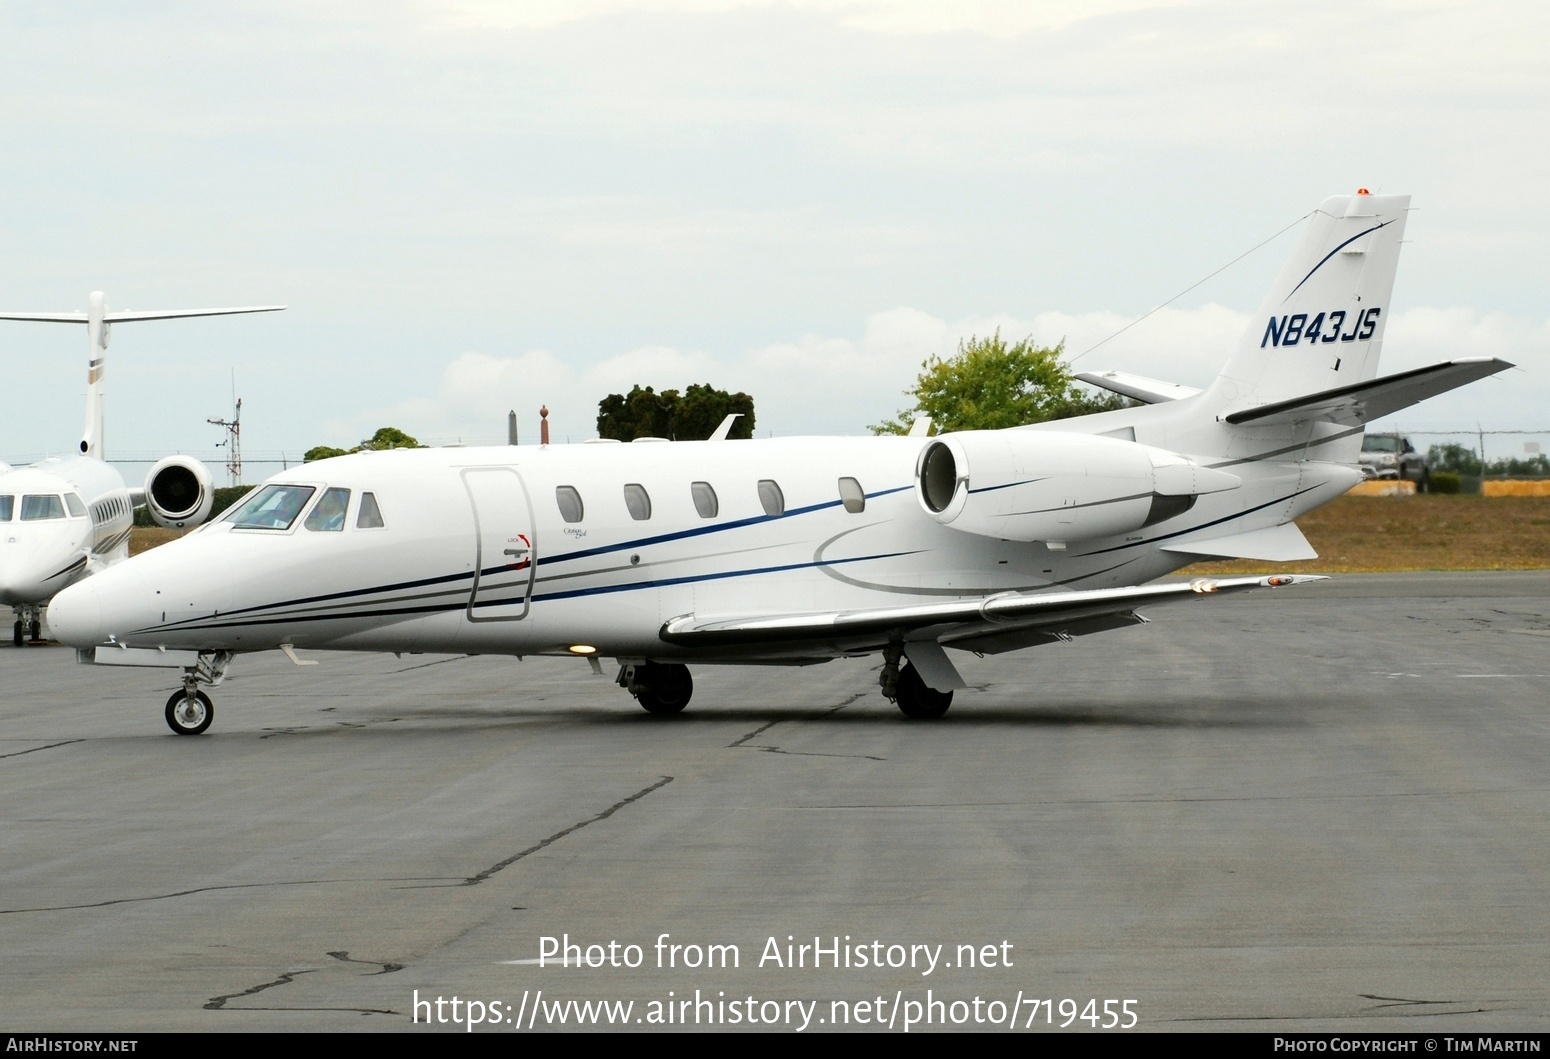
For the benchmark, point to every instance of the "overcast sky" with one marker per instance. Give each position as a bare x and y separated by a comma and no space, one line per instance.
475,206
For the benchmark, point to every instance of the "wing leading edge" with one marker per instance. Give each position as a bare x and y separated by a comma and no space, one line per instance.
1033,617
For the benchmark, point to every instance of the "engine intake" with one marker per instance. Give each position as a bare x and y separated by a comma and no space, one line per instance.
1029,485
179,492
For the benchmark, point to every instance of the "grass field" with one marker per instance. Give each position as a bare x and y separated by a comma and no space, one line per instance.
1365,534
1373,534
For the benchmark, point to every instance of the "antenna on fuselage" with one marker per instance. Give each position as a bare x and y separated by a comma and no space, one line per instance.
98,323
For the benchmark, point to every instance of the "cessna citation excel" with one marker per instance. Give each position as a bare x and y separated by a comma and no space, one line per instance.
69,516
791,551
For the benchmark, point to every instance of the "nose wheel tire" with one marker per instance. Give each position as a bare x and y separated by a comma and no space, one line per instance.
189,713
663,688
917,701
18,636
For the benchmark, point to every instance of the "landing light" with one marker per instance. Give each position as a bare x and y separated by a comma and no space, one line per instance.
582,649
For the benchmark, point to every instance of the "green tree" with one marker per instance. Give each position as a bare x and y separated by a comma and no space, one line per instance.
989,385
689,416
384,438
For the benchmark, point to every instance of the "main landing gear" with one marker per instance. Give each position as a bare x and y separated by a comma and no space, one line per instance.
903,687
189,710
662,688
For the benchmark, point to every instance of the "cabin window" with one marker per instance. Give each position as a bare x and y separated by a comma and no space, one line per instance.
370,516
38,508
7,508
73,502
705,499
638,501
772,498
853,495
569,500
327,515
274,507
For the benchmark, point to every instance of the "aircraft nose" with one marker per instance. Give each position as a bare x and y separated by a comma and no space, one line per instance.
75,616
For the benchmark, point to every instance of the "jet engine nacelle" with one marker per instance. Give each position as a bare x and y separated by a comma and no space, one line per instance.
1035,485
179,492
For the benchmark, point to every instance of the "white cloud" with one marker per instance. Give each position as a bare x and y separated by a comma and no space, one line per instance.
826,384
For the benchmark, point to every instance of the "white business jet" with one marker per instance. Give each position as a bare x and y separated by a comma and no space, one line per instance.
69,516
795,550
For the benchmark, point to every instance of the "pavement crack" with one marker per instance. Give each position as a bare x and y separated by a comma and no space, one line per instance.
196,890
1400,1002
35,749
387,968
438,662
765,727
216,1003
813,753
475,880
757,731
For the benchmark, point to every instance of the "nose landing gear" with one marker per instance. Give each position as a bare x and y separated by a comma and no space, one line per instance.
29,624
189,710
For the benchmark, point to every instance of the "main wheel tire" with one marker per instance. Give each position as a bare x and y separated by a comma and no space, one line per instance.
917,701
189,715
18,635
36,629
663,688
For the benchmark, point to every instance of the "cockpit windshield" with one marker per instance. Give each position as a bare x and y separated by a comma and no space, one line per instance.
7,507
274,507
38,508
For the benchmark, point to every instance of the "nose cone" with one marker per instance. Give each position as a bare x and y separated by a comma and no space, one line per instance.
75,616
25,570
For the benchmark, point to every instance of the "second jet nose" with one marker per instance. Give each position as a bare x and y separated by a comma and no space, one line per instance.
75,616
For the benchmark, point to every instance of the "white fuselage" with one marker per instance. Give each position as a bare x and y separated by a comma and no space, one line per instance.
60,520
610,579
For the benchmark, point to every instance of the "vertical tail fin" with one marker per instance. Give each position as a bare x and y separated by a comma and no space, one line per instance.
97,335
1321,325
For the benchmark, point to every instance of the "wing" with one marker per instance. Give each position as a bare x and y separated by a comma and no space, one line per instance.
1001,622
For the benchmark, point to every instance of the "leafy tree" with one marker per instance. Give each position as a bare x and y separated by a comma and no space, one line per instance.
325,452
390,438
988,385
384,438
1451,456
688,416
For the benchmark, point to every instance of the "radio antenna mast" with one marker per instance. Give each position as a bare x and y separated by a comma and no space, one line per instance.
233,442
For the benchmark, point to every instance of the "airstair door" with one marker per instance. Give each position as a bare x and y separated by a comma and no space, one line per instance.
505,548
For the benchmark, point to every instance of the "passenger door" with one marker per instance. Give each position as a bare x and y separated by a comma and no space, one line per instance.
505,544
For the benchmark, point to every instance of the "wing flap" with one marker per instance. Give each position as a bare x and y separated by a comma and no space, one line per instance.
1025,609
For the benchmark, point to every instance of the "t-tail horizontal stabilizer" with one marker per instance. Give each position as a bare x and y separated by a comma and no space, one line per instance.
1360,402
1136,387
